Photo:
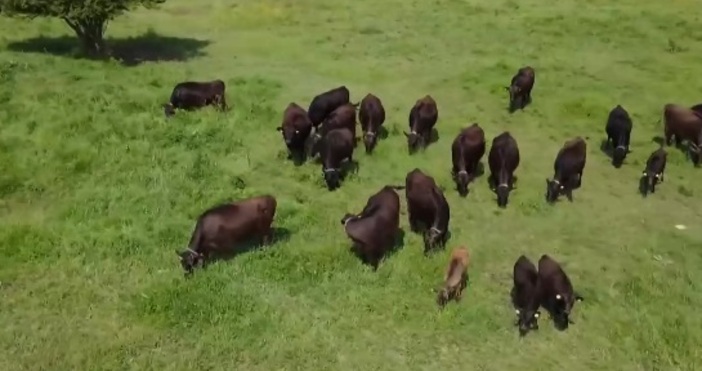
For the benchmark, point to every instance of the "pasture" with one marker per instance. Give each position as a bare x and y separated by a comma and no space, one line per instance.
97,188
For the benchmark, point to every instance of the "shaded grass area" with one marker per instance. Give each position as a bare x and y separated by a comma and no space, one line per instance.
97,189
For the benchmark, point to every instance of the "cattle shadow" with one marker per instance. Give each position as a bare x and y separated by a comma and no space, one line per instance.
658,140
643,187
606,148
131,51
298,158
252,245
383,133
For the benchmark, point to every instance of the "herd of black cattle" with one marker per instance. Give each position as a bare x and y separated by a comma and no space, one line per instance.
328,129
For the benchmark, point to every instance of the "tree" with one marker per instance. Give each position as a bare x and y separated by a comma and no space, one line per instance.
87,18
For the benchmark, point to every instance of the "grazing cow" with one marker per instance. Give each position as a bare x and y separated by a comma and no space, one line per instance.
374,230
296,128
655,167
568,168
221,227
503,160
342,117
684,124
325,103
336,147
191,95
520,87
556,291
372,117
455,277
422,118
618,133
466,151
525,295
427,208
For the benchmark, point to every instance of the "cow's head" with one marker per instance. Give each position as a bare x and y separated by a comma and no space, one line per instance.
462,179
527,320
513,90
413,140
443,296
291,135
553,190
619,155
649,179
332,177
370,139
190,259
168,109
502,191
433,237
563,304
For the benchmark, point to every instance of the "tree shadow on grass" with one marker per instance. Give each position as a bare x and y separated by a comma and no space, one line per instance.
131,51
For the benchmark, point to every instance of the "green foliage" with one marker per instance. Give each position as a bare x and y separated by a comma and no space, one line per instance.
72,9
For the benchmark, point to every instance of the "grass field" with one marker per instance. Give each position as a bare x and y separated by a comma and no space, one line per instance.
97,189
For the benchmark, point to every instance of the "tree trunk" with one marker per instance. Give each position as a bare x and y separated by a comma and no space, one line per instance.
90,32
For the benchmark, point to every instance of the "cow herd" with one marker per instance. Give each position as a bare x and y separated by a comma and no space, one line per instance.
328,129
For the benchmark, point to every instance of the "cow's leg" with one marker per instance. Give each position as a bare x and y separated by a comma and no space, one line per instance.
223,103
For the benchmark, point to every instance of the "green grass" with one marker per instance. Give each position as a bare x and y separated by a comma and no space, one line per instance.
97,189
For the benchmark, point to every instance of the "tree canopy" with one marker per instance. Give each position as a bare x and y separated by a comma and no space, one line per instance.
87,18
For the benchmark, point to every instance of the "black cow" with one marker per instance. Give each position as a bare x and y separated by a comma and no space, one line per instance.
568,169
618,134
372,116
344,117
520,87
655,168
684,124
466,151
503,160
336,147
427,208
220,228
422,118
525,295
296,128
556,292
375,229
325,103
192,95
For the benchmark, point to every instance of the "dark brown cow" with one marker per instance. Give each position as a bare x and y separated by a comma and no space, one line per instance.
342,117
336,147
422,119
372,117
466,152
427,208
220,228
503,160
191,95
525,295
619,134
568,169
520,87
556,291
684,124
655,169
325,103
296,128
455,278
375,229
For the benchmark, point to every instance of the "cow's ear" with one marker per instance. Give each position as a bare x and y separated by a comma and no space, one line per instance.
279,128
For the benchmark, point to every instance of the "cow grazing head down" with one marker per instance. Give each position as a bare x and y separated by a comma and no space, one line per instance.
553,190
414,140
462,180
168,109
332,177
370,140
190,260
650,179
563,305
527,320
502,194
